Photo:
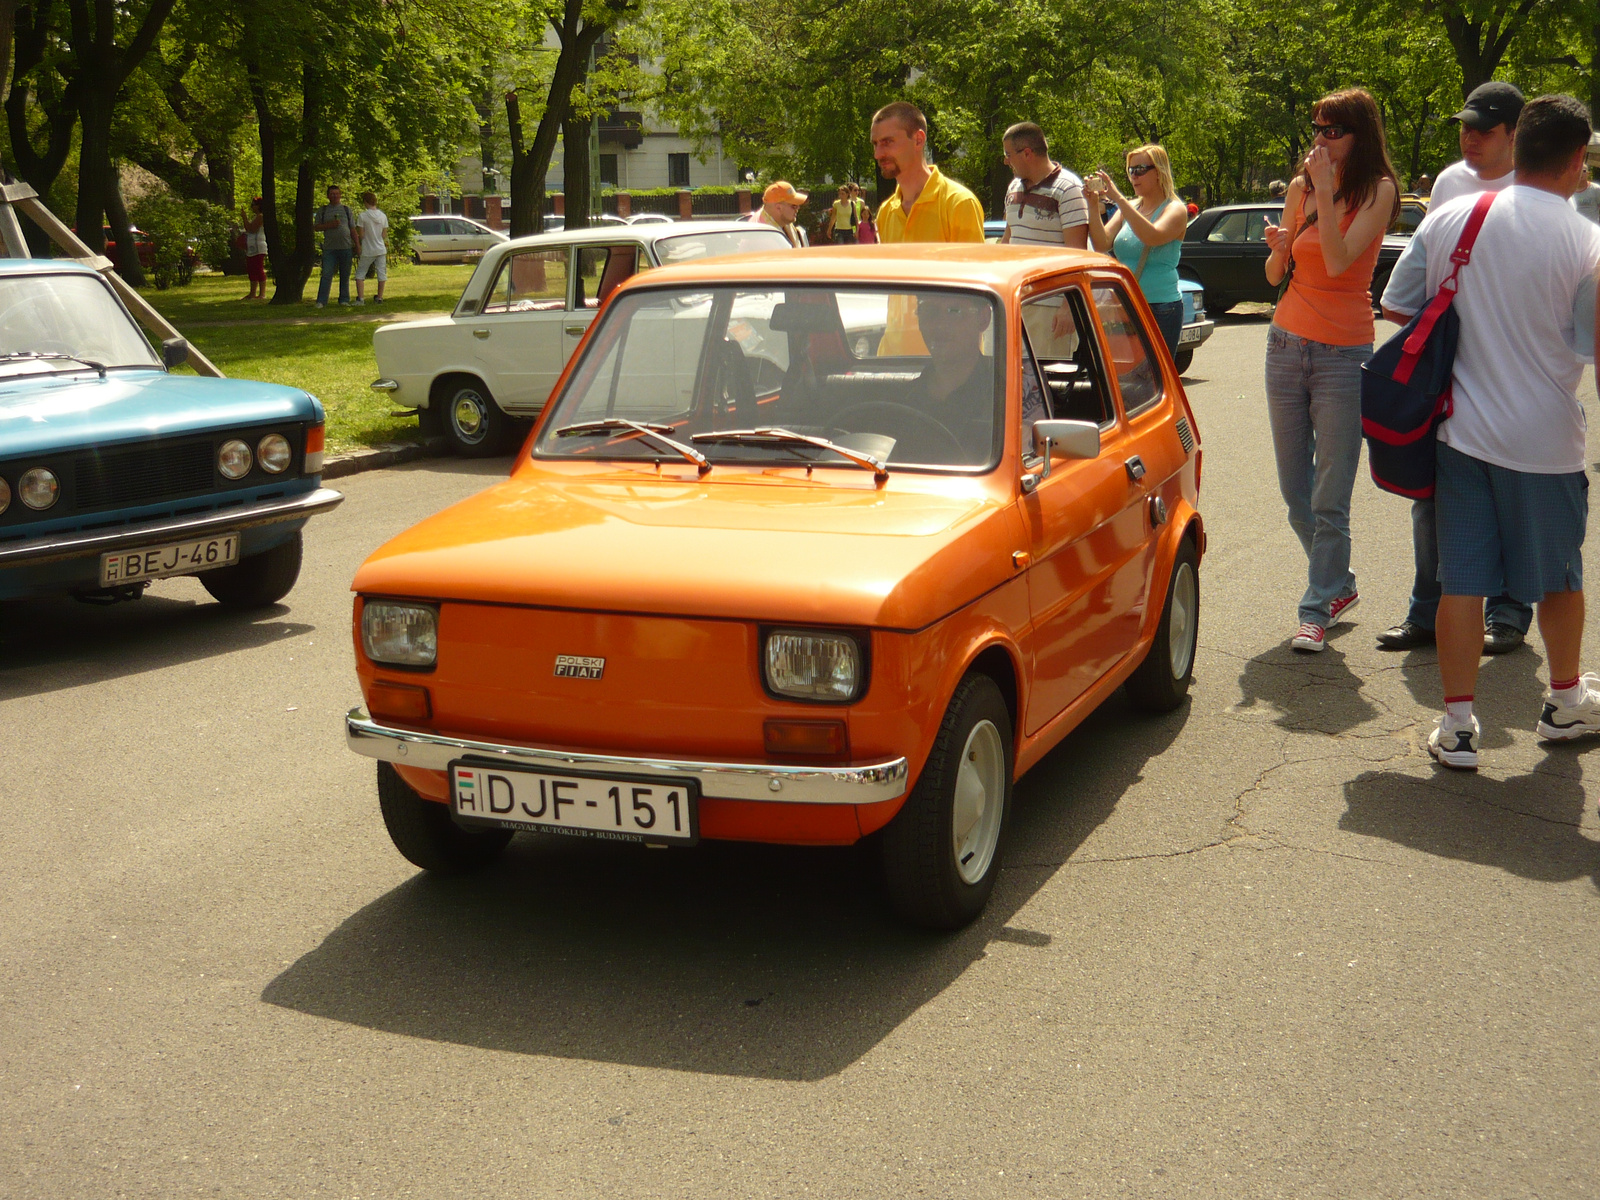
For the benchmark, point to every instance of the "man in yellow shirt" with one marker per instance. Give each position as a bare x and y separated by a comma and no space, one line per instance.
925,207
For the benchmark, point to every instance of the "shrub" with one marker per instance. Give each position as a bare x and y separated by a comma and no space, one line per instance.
181,232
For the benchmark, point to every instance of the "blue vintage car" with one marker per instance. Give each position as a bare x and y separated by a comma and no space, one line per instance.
114,472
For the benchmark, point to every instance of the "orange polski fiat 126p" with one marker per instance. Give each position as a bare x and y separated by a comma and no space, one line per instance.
805,548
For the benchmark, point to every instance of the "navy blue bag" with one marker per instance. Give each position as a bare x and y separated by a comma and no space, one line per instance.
1405,385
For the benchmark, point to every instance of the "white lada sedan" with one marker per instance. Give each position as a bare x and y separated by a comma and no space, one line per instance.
474,373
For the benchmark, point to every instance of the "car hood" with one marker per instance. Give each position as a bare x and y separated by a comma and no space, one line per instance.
44,413
772,547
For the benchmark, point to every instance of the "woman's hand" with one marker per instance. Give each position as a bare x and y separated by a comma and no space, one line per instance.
1277,238
1319,166
1108,188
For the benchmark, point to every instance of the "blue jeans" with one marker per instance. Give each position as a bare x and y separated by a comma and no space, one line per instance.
1425,587
335,260
1169,319
1314,403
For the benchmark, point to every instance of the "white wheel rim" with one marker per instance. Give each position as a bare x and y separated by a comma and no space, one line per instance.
467,415
1185,616
979,802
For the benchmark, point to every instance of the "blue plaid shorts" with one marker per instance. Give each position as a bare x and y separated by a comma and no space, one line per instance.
1508,532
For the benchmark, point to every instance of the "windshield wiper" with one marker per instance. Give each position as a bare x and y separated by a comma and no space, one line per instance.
52,356
775,436
655,433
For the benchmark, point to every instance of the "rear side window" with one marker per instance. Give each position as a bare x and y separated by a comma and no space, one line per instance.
1132,359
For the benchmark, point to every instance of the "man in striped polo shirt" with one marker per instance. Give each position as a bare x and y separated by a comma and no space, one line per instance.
1044,204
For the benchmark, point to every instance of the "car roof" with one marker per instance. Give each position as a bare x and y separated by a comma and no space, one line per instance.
1252,206
41,266
971,263
645,231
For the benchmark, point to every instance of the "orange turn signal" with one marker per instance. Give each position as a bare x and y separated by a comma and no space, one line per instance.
399,702
316,439
812,738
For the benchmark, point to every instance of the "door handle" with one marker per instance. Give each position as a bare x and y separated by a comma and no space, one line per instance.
480,333
577,330
1135,468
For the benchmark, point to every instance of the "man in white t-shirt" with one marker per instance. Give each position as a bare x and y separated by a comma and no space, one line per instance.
371,225
1044,204
1512,491
1488,125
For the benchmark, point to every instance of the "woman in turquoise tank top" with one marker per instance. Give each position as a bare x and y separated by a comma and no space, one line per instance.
1145,234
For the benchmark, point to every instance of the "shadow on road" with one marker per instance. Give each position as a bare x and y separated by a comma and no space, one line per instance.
773,962
1309,691
1527,825
47,645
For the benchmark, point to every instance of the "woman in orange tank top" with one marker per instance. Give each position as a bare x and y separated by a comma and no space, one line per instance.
1334,215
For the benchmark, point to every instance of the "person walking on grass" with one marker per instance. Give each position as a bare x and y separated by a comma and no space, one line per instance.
255,250
1487,128
1512,491
1334,214
336,223
371,225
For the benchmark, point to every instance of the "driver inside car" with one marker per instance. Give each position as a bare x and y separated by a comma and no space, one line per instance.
956,388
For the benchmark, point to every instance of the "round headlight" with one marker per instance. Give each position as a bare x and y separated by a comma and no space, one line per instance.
5,495
273,453
233,460
38,488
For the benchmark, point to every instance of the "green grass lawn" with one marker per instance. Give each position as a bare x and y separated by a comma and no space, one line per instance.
324,351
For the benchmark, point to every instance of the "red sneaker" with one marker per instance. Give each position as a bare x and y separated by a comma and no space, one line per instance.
1342,605
1308,638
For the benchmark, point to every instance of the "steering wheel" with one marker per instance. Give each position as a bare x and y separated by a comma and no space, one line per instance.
932,439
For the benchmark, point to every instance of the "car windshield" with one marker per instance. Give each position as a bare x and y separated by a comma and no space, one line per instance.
65,315
905,377
687,247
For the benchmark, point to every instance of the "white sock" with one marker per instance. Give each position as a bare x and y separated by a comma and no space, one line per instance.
1458,712
1570,695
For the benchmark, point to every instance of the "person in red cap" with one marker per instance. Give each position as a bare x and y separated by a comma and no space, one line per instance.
780,205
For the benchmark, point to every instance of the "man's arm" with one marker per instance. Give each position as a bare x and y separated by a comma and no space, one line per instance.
1076,236
966,221
1407,290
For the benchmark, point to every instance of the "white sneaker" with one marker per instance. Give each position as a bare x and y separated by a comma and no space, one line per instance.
1562,722
1457,746
321,304
1309,637
358,300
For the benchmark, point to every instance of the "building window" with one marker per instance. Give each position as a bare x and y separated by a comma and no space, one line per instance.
677,170
608,170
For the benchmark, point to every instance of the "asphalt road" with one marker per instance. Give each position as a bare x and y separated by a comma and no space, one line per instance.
1259,948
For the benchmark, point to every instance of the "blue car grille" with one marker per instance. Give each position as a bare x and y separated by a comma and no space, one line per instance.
147,475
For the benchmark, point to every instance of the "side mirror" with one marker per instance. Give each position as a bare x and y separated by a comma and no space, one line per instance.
1065,439
174,353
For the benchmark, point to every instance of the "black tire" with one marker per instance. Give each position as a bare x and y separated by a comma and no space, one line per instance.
924,881
424,833
1183,359
416,259
1162,680
259,580
472,421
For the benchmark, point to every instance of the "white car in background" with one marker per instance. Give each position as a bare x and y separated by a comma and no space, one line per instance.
475,373
450,239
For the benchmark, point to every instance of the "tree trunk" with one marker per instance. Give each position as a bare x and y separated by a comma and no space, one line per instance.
38,168
267,136
575,143
527,207
1480,40
94,168
295,266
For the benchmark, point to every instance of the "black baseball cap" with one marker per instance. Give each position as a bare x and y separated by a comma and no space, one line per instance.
1493,103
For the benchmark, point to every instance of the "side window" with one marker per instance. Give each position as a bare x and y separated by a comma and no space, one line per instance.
533,281
1256,227
1231,228
1060,340
1131,357
426,226
601,269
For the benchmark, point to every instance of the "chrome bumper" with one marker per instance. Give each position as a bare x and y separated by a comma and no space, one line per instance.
1196,332
56,546
384,385
728,781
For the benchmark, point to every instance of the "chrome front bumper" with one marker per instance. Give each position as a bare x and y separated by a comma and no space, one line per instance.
55,546
727,781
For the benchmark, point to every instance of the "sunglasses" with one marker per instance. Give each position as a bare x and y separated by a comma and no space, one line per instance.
1332,132
1139,170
